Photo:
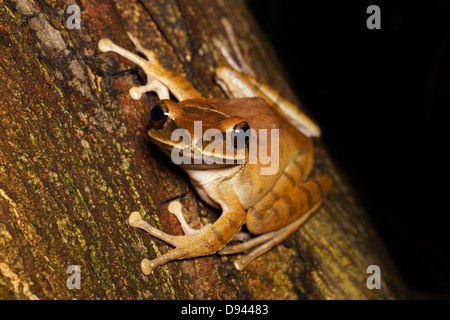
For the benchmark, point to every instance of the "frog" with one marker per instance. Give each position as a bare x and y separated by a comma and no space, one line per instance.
270,206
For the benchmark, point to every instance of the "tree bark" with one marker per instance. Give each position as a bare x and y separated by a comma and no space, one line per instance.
75,161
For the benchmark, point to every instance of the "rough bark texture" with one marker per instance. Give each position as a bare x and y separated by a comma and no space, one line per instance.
75,161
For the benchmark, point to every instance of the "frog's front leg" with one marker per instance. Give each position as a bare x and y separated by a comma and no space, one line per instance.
157,75
239,82
276,217
205,241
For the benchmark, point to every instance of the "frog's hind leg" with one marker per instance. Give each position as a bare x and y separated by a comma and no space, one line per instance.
266,242
285,214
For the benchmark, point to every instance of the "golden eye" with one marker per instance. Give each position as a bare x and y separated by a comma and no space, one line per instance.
159,115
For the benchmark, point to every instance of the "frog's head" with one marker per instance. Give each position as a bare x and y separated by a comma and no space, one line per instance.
193,132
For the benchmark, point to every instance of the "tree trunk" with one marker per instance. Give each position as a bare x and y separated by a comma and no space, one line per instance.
75,161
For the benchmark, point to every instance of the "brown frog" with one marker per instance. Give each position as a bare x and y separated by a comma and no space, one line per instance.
273,205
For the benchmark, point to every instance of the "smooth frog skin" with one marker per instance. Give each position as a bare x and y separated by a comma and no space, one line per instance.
272,206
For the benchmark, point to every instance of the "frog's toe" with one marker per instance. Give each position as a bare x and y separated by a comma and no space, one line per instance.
147,266
135,220
175,208
185,246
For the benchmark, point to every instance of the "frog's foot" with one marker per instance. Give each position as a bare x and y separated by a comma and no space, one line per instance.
238,64
153,84
184,245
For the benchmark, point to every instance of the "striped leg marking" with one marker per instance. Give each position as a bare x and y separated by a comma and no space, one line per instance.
285,216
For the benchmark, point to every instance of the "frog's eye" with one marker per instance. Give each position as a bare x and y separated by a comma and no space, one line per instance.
240,135
159,115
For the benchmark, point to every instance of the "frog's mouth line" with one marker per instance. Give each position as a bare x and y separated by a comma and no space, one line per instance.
197,159
196,155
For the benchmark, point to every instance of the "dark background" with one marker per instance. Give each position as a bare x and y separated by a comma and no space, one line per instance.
382,100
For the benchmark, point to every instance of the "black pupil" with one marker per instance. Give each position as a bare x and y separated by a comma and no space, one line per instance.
239,134
157,114
242,130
